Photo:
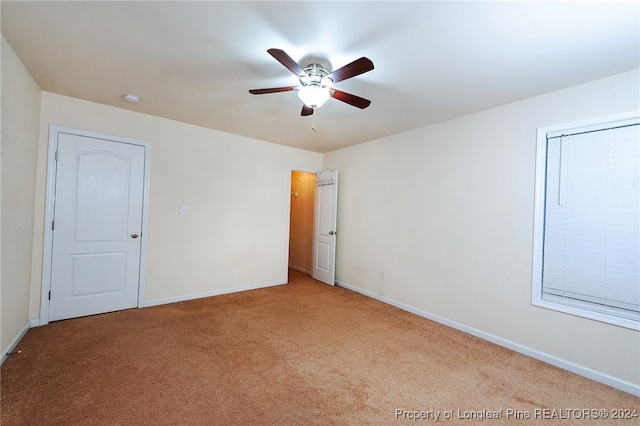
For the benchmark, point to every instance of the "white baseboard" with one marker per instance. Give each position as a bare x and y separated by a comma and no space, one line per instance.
589,373
297,268
156,302
14,342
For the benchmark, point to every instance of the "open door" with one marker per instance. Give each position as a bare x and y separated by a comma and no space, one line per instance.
323,266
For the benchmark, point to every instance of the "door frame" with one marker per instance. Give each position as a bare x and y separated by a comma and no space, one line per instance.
291,170
47,254
314,171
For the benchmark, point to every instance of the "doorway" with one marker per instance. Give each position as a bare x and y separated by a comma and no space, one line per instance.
301,221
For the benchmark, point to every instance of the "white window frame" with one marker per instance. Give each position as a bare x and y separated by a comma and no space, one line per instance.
603,122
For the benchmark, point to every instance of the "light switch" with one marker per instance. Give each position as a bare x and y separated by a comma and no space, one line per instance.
185,209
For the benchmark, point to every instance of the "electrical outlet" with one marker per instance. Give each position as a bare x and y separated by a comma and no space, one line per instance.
383,276
212,270
186,210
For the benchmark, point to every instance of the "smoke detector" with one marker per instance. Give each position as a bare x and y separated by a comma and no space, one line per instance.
131,98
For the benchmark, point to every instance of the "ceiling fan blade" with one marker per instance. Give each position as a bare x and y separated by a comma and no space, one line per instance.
354,100
306,110
357,67
286,60
273,90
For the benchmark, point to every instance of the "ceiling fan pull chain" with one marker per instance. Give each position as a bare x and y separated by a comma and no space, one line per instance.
313,126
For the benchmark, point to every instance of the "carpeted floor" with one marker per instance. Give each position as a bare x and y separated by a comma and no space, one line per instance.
298,354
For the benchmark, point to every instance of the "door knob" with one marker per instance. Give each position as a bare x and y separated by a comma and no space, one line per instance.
332,232
134,235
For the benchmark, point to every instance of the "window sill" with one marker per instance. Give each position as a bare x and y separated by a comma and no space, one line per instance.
585,313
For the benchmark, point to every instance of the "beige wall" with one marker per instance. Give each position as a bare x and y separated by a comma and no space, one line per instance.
238,190
20,124
447,212
301,226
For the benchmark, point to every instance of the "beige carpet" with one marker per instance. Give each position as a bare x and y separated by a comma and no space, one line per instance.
298,354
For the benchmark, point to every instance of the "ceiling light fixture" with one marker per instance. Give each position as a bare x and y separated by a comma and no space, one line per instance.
314,95
131,98
315,86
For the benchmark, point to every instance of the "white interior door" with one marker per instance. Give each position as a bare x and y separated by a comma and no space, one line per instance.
97,224
323,267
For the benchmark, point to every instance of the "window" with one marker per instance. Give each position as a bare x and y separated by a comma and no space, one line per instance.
587,221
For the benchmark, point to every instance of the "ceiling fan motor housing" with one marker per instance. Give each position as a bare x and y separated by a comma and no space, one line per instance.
315,75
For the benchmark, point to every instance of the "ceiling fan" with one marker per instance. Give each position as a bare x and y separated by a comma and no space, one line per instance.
315,82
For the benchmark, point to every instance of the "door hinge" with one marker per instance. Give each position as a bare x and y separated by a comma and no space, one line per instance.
53,224
56,156
49,294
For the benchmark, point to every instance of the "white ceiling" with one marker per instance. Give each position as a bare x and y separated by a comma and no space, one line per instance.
196,61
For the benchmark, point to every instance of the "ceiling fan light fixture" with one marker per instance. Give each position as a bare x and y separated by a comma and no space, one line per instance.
314,96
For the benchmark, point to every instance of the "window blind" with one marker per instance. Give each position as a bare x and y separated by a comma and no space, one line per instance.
591,245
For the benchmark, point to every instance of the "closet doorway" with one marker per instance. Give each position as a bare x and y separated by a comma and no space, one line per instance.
303,186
